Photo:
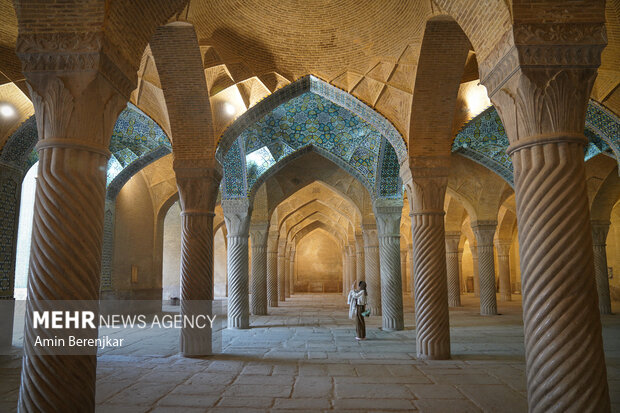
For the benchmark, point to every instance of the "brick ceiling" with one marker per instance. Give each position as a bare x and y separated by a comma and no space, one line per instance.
369,49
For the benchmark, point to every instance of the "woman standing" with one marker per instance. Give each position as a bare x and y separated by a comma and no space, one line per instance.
357,304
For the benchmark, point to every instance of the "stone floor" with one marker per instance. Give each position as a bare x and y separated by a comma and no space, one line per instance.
303,357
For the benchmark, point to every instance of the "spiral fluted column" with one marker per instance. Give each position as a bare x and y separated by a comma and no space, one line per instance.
281,276
503,267
351,258
346,284
359,258
427,193
371,264
542,101
599,241
76,107
258,235
272,269
292,272
476,265
453,269
237,215
197,194
403,269
411,276
65,261
485,231
559,290
461,276
287,275
387,214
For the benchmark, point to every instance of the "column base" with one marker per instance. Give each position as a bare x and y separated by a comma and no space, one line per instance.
434,353
454,303
391,324
261,312
604,310
505,297
198,347
238,324
7,313
488,311
273,303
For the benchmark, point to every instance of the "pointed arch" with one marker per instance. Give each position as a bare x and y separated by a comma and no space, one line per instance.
312,113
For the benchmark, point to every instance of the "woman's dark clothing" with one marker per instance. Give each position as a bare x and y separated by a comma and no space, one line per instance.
360,323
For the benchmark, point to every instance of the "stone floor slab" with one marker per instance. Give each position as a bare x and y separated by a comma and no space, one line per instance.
279,365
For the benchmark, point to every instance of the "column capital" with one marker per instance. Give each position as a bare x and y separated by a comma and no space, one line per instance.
71,78
539,78
427,187
272,241
370,235
453,238
503,247
474,251
600,229
484,231
197,189
80,55
359,242
259,232
237,214
61,109
388,213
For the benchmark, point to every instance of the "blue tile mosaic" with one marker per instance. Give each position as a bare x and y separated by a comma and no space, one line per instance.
308,120
484,140
134,136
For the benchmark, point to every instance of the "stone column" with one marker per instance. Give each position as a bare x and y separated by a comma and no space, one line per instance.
351,257
541,89
476,273
11,179
258,235
403,269
292,272
281,275
371,257
599,241
411,276
197,194
287,274
485,231
387,214
427,190
453,268
237,213
76,106
463,281
272,269
359,262
346,284
503,266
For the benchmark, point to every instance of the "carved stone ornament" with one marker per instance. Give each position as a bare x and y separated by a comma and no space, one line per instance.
75,52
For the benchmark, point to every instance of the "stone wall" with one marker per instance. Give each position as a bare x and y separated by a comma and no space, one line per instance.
134,243
219,252
318,263
613,253
171,263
